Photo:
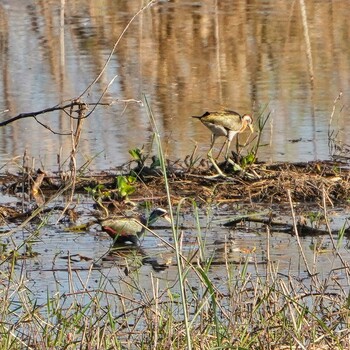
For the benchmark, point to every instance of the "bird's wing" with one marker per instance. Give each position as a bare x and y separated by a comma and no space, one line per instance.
227,119
124,227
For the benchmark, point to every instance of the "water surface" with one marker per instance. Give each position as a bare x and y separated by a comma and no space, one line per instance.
186,58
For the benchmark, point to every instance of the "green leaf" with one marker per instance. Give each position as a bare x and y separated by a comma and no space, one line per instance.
131,179
136,154
125,186
248,160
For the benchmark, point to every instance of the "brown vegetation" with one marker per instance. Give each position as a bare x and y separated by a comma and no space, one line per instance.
310,182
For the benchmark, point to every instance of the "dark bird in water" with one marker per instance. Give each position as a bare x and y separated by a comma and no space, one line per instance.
131,229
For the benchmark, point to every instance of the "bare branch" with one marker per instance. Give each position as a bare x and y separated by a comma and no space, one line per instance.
51,109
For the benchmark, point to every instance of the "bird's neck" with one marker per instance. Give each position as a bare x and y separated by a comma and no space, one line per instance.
243,127
143,220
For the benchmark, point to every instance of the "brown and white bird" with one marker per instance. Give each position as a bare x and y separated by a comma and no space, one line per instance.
225,123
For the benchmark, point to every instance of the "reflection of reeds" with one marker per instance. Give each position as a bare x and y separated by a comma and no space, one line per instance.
221,54
307,40
338,149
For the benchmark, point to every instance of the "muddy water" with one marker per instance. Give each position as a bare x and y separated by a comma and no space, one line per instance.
186,57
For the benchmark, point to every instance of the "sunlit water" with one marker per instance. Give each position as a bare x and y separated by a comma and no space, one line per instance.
186,58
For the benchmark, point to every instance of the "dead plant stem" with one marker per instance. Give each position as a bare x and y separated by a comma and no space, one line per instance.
177,244
76,130
297,233
333,112
268,258
155,289
324,204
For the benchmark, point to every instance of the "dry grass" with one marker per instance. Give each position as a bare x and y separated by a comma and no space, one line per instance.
258,183
259,309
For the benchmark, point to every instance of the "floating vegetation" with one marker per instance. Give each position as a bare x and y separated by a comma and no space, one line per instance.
260,182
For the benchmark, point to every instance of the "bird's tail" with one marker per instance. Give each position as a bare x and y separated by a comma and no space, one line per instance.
201,116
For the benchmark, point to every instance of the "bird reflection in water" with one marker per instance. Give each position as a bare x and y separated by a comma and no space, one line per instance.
133,257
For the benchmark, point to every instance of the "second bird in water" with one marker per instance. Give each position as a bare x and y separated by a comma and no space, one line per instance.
130,229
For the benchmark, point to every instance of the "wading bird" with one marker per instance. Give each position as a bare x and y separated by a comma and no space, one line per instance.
130,229
224,123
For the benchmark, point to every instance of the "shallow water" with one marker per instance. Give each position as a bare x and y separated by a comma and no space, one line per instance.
186,57
70,262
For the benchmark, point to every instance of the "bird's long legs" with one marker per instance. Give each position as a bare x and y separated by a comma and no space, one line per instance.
228,143
222,147
212,160
213,138
210,157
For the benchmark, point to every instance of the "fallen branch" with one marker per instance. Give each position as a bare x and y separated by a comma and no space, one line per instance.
278,226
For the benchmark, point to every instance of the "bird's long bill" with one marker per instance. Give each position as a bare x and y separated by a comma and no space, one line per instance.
251,127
